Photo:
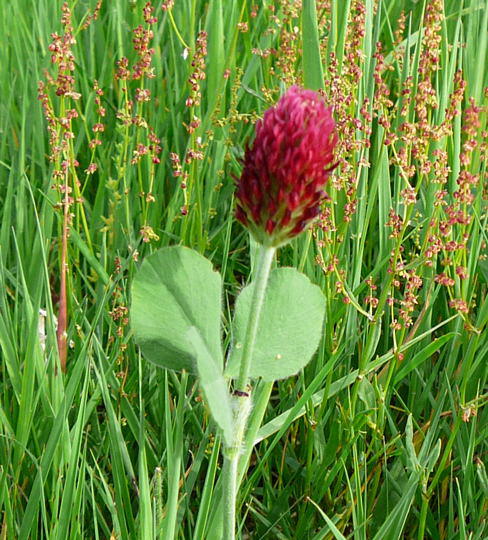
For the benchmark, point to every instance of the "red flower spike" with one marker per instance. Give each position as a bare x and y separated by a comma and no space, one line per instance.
287,167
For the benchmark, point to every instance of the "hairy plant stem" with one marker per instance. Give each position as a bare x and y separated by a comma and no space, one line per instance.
265,258
259,406
241,398
231,461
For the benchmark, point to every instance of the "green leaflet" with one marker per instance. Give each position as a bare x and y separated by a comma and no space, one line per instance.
290,326
176,288
213,384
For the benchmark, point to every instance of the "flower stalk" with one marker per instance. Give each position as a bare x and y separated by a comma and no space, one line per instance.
230,496
241,398
278,196
265,259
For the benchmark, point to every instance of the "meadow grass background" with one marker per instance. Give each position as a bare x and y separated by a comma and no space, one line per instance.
384,434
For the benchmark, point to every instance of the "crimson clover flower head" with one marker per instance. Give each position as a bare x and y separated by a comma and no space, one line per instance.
287,167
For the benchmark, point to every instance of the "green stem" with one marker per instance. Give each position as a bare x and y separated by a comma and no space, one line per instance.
423,516
232,452
230,494
266,255
241,398
260,403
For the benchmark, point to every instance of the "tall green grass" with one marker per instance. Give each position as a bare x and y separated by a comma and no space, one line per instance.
384,434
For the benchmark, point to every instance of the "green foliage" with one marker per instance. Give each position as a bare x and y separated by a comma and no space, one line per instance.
176,289
213,383
313,76
290,326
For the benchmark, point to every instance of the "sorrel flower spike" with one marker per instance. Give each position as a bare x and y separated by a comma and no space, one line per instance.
287,167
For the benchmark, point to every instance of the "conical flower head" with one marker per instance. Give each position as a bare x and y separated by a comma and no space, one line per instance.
287,167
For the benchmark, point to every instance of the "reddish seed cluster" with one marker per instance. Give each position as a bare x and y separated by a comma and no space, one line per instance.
63,86
264,53
285,170
176,164
354,130
178,172
288,53
243,27
141,41
434,16
148,12
398,50
148,235
98,99
120,317
421,154
142,37
98,127
49,115
455,100
371,299
471,126
143,94
62,56
154,146
429,63
412,152
382,101
132,113
198,71
195,150
459,305
409,300
92,16
444,279
192,126
93,167
123,72
395,222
